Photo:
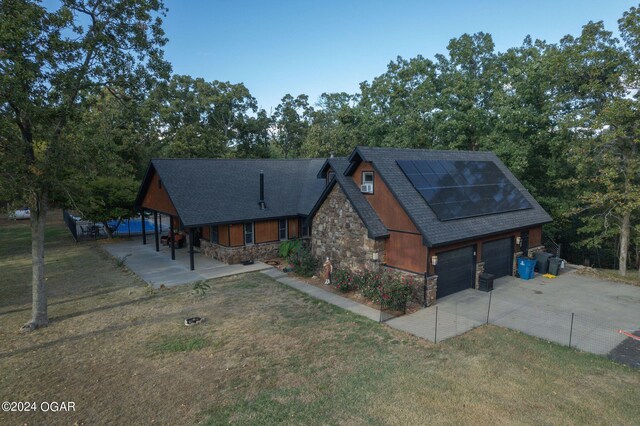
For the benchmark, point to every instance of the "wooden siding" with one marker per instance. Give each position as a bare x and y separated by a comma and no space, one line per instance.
266,231
237,234
206,233
535,237
157,198
384,203
405,251
294,229
223,235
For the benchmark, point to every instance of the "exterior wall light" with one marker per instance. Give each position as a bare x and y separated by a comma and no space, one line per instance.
434,260
518,240
374,255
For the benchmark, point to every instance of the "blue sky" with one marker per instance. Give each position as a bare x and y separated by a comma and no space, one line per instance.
278,47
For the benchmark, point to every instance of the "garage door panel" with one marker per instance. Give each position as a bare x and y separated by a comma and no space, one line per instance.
498,257
456,271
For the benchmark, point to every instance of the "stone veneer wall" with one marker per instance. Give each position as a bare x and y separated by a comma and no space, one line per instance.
233,255
339,234
532,251
418,294
479,270
514,270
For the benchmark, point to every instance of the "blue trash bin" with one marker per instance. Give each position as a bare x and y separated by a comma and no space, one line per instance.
525,267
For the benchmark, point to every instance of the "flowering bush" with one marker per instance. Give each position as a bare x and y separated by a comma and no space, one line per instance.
344,280
390,290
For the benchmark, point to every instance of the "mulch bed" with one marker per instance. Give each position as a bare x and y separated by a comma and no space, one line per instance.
353,295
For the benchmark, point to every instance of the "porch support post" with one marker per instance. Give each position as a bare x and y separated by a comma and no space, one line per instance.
155,225
191,237
144,232
172,237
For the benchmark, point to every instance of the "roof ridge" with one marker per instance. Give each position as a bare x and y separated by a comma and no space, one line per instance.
236,159
393,148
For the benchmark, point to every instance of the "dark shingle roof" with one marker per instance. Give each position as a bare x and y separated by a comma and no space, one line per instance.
434,231
208,191
375,227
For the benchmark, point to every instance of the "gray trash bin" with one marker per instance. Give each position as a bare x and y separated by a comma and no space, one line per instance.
554,265
542,262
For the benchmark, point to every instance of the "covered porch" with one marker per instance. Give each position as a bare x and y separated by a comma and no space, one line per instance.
157,267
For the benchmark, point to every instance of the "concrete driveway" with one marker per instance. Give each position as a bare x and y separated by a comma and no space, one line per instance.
157,268
540,307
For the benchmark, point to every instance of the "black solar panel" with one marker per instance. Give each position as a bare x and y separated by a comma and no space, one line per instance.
460,189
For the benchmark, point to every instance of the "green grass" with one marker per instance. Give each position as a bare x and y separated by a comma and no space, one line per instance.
179,343
267,354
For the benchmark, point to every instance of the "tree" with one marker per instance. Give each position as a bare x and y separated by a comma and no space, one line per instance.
397,108
291,124
108,200
599,76
332,127
196,118
253,139
468,78
52,61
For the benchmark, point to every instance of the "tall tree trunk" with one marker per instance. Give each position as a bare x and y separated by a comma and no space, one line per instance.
625,230
39,316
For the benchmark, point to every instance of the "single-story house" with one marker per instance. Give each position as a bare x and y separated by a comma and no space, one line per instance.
443,215
233,209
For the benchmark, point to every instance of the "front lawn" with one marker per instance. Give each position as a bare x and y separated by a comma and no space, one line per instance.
267,354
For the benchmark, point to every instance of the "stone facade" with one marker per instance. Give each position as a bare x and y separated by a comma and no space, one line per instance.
532,251
514,270
233,255
432,289
479,270
418,294
339,234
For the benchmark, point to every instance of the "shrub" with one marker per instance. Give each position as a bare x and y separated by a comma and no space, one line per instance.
288,248
344,280
304,263
395,291
390,290
200,289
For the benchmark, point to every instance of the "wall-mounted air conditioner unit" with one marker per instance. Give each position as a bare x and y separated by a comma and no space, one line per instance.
367,188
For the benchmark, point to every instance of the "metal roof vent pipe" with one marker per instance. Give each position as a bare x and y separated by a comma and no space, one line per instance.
261,203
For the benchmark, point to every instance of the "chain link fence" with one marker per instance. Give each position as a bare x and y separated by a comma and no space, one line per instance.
589,333
83,230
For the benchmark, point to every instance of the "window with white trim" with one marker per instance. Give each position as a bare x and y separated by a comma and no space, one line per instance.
248,233
367,183
282,229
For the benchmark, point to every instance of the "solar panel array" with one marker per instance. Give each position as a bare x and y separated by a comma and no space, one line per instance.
461,189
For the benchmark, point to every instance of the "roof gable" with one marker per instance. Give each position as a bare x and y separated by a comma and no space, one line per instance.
434,231
209,191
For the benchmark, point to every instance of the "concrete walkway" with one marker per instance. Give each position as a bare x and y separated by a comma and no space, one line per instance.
157,268
327,296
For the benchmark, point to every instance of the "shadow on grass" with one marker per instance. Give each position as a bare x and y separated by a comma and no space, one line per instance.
61,302
105,330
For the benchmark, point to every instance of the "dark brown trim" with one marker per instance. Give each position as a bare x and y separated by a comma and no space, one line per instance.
402,269
403,232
